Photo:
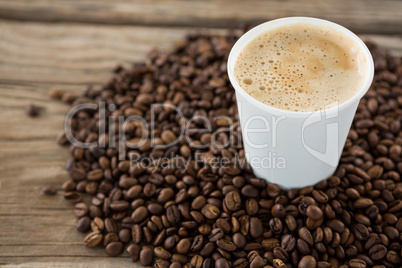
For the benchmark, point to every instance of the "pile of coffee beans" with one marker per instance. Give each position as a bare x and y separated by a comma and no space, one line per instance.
197,214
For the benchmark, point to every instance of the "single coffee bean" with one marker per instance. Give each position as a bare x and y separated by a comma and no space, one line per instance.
197,244
393,257
270,244
278,211
81,209
125,235
93,239
146,256
216,234
307,262
233,201
314,213
357,263
32,110
377,252
173,214
222,263
208,249
280,253
109,238
139,214
114,249
288,242
323,264
49,190
83,224
362,203
360,231
336,225
73,197
305,234
226,245
162,253
210,211
134,252
239,240
302,246
276,225
183,246
291,223
197,261
256,228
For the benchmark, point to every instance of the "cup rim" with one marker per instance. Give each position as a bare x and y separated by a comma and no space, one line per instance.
254,32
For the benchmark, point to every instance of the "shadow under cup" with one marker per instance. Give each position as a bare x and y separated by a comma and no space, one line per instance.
295,149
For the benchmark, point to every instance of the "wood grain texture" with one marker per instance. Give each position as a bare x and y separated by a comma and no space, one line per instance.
363,16
37,230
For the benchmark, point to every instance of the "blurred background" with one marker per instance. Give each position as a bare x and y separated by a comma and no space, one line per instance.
71,44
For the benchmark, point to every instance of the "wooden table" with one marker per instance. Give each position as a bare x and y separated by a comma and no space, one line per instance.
70,44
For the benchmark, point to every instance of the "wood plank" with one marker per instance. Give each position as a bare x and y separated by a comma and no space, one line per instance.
362,16
37,230
75,55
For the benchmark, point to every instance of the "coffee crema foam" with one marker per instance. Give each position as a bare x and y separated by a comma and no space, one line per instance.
301,67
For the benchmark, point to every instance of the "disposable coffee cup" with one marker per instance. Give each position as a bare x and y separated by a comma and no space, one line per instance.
295,149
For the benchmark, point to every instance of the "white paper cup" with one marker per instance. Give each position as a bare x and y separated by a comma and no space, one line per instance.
295,149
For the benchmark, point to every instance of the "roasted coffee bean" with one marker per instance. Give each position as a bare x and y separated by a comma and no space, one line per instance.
270,244
162,253
197,244
134,252
32,110
336,225
307,262
208,249
93,239
239,240
288,242
197,261
357,263
314,213
256,228
210,211
83,224
393,257
49,190
377,252
222,263
146,256
80,210
320,196
226,245
233,201
302,246
73,197
362,203
109,238
276,225
114,249
139,214
360,231
291,223
183,246
216,234
305,234
280,253
125,235
278,211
